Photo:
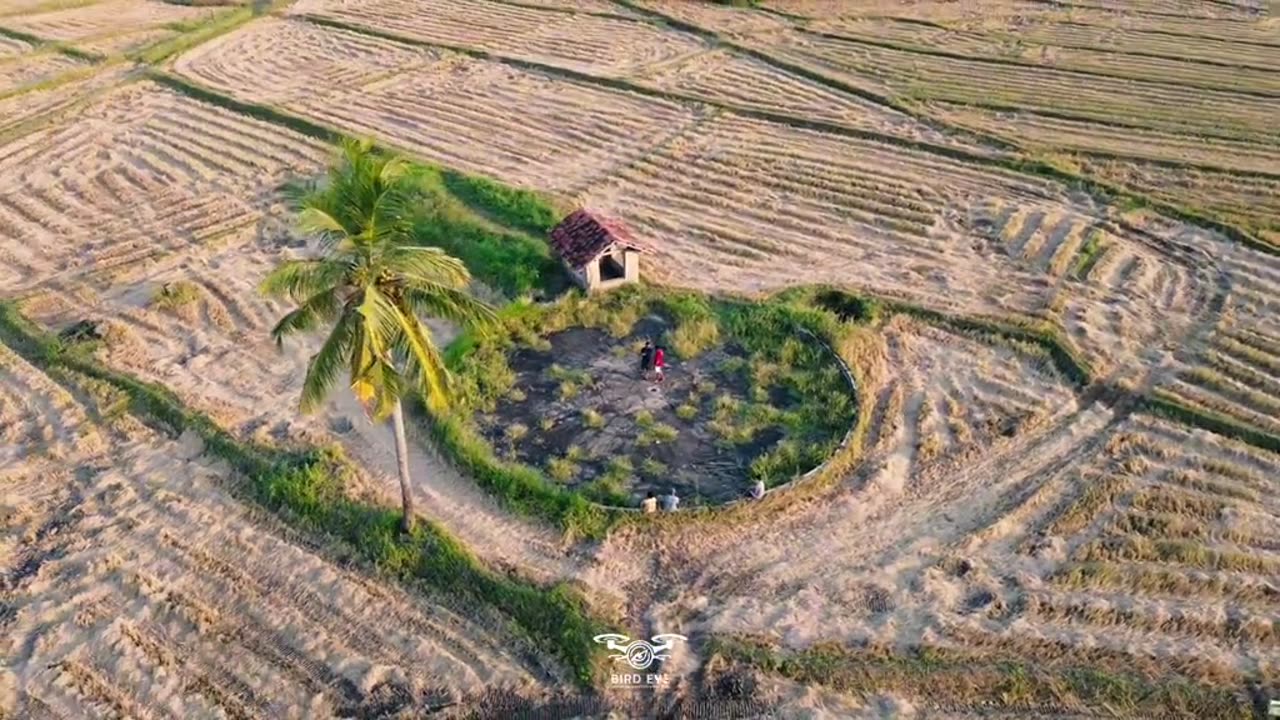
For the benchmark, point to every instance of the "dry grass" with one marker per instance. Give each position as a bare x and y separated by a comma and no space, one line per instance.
1174,552
1098,494
1154,580
1232,628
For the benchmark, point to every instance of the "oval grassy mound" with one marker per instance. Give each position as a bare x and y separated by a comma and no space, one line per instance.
556,396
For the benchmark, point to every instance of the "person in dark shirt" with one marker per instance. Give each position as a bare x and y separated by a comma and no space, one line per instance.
646,359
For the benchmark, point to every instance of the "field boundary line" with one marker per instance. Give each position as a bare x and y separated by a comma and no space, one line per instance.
49,6
1058,115
39,121
58,80
55,45
905,108
943,674
1170,33
947,54
627,85
1033,147
565,10
1164,404
1157,56
1069,4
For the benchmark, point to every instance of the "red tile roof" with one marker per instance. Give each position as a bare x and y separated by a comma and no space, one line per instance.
584,236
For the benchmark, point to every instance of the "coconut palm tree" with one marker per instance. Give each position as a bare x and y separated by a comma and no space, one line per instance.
369,287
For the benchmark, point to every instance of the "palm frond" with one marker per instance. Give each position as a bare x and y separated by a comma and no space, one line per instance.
325,366
449,304
300,279
317,219
318,308
428,264
381,326
393,171
424,359
390,387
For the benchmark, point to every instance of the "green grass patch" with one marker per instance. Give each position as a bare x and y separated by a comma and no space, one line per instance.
488,227
306,487
516,208
1090,253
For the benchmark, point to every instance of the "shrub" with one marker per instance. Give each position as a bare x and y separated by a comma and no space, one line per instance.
593,419
652,468
850,307
561,469
687,412
516,432
619,468
787,460
607,490
726,403
644,419
658,433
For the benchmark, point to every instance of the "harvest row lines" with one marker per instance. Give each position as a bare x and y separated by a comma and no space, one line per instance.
1189,111
583,42
104,17
1111,50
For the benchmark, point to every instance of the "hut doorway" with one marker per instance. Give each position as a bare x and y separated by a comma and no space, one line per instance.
612,267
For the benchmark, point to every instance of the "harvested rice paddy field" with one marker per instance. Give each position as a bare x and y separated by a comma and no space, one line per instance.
1041,239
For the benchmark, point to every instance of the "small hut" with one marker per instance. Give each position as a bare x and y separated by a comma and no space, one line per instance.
599,252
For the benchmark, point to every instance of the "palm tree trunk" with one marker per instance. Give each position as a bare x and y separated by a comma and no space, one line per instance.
402,459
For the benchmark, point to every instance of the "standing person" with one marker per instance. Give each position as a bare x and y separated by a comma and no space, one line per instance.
670,501
646,358
649,504
659,362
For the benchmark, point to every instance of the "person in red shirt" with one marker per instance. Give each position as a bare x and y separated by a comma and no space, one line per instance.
659,362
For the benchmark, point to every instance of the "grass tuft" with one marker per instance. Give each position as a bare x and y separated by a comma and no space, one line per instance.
172,296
